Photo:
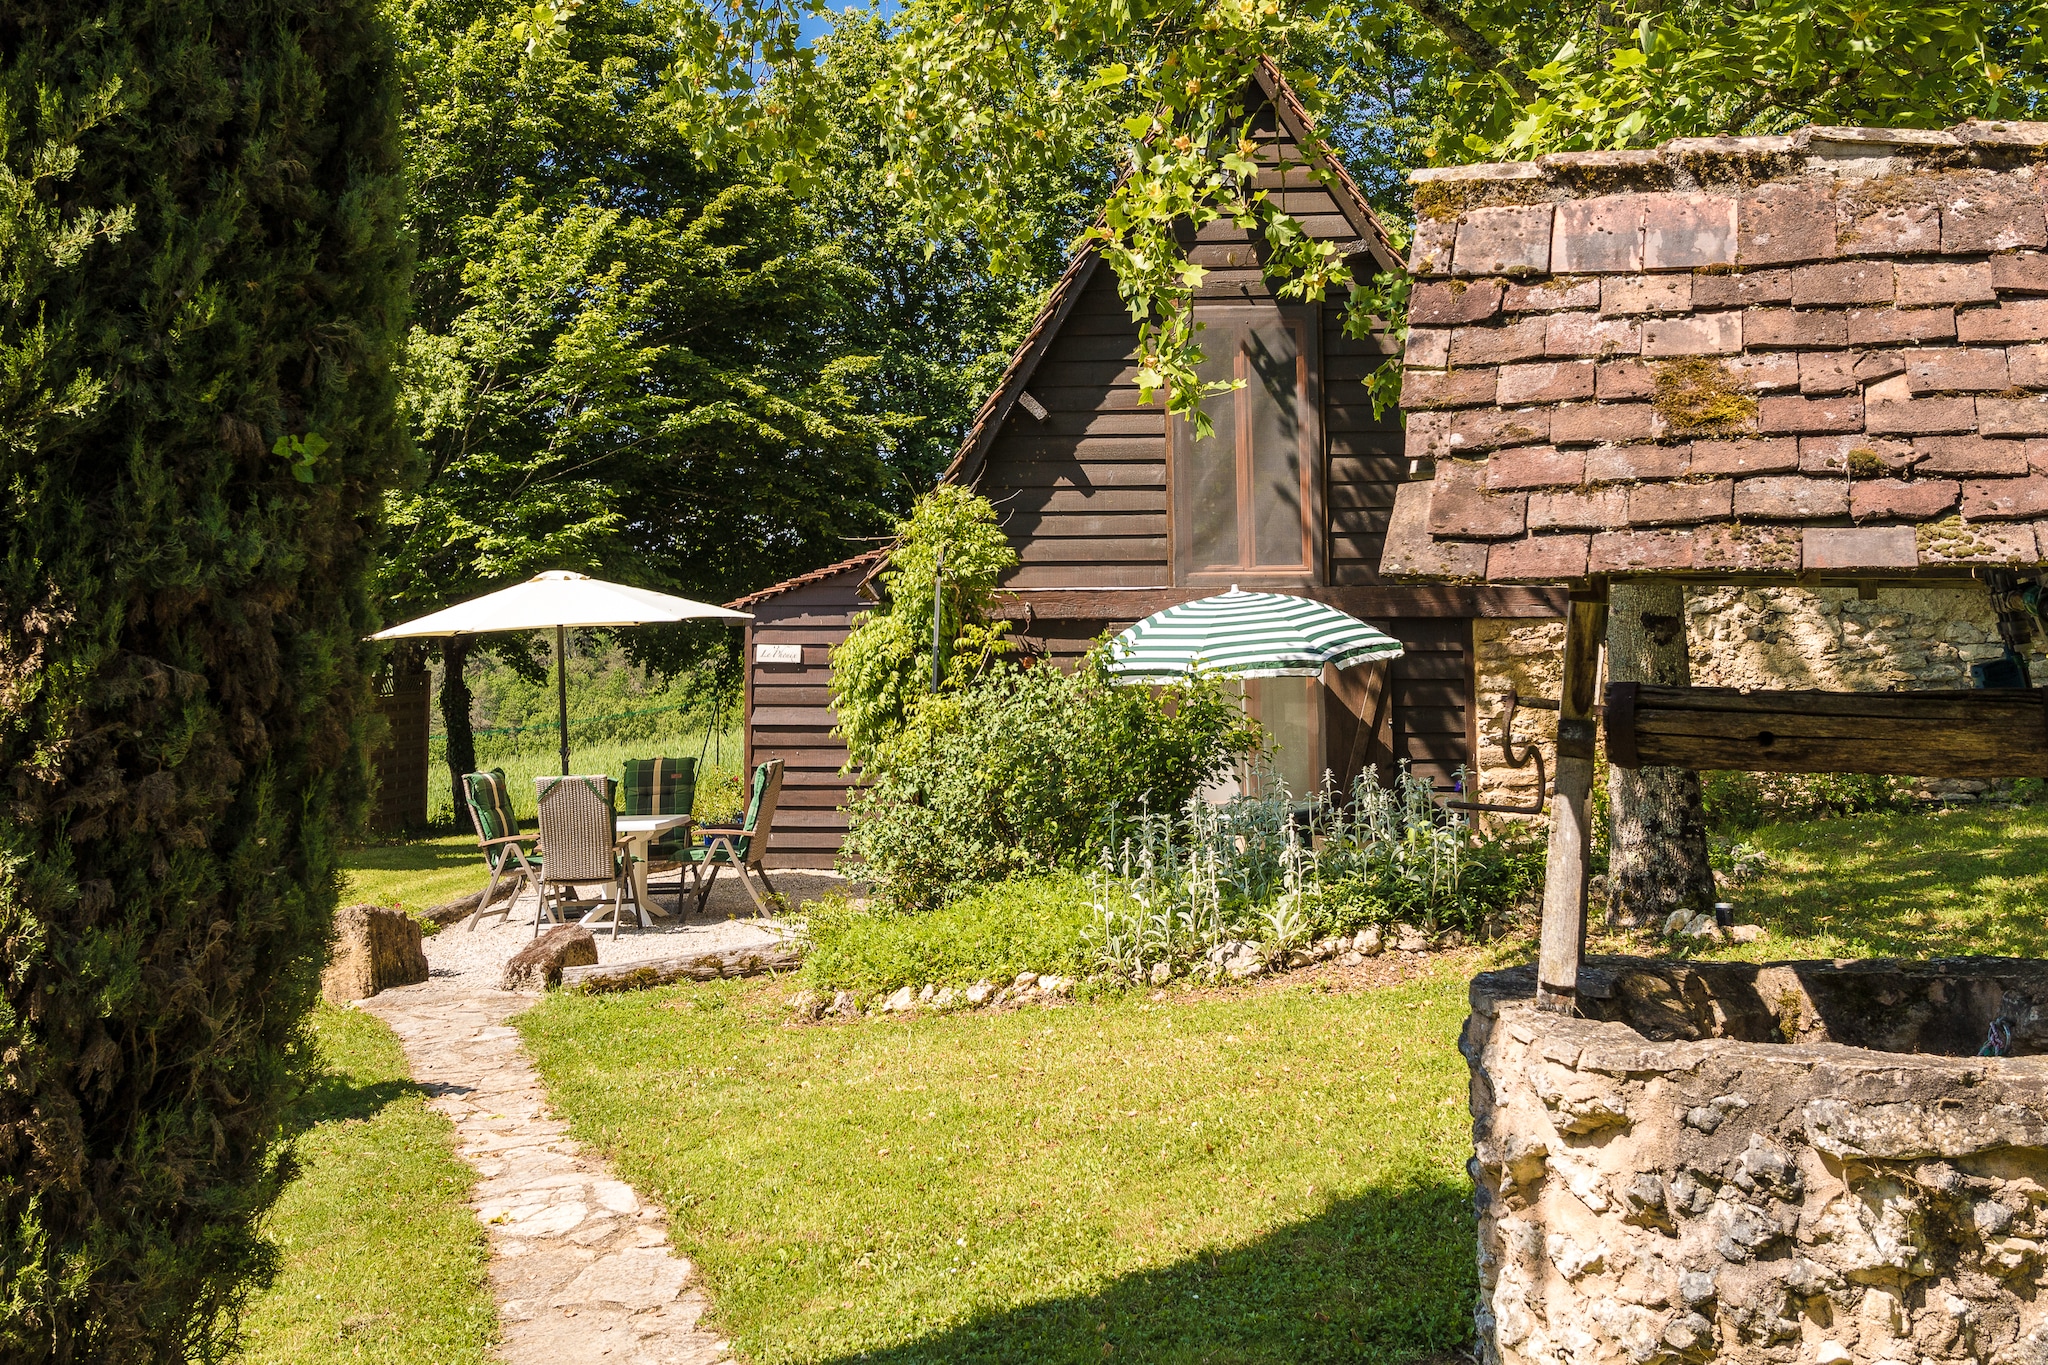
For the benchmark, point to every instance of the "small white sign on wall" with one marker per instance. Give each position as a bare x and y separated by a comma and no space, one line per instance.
778,654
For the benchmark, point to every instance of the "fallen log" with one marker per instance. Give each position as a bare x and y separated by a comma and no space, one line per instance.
662,971
448,912
1978,733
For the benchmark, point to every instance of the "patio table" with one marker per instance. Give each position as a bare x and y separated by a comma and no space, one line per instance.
639,832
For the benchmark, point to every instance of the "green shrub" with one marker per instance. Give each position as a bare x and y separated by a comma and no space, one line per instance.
1737,802
1027,924
1023,770
201,293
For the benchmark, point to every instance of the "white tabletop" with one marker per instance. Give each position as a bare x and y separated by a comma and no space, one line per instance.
649,824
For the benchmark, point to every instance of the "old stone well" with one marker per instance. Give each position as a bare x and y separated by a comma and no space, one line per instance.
1815,361
1801,1161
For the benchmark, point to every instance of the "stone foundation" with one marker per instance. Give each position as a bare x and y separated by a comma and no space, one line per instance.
1800,1161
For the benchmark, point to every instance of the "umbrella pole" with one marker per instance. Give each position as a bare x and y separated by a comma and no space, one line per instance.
562,689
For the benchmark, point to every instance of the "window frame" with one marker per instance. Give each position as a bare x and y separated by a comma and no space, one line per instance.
1304,320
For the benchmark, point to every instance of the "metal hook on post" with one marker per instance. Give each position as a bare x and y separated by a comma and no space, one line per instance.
1507,752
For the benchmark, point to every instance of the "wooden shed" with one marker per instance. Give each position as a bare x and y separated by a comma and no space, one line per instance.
1117,512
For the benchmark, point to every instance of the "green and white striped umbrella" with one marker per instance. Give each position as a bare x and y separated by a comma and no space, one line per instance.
1245,635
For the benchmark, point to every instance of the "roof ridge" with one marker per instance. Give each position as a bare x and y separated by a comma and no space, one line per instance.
806,578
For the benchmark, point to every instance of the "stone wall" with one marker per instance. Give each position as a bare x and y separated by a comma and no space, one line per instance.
1669,1184
1770,637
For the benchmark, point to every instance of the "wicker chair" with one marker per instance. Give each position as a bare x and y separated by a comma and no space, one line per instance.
506,850
742,849
578,828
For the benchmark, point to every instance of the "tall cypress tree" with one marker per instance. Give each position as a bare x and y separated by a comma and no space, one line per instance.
201,292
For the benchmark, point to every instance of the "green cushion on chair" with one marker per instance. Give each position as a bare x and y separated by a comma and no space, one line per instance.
491,808
661,786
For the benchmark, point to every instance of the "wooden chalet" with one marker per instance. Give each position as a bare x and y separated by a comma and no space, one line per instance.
1116,512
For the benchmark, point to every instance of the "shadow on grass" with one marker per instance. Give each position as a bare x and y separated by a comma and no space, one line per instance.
336,1097
1908,886
1386,1276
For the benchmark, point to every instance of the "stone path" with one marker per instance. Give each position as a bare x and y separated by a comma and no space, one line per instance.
580,1264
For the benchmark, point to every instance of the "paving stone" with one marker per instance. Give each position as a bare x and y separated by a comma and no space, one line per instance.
1991,216
1810,416
2026,367
1920,416
1778,455
1430,252
1677,504
1638,551
1600,234
1522,339
2018,320
1746,549
1825,372
1700,334
1780,224
1969,456
1842,282
1982,543
1899,499
1527,467
1783,328
1887,229
1447,388
1858,547
1745,290
1553,295
1428,348
1597,423
2020,272
2005,499
1487,428
1429,436
1443,303
1957,369
1593,509
2013,416
1411,551
1830,454
1626,294
1764,372
1587,334
1624,379
1872,366
1538,559
1615,463
1562,381
1459,506
1894,326
1792,497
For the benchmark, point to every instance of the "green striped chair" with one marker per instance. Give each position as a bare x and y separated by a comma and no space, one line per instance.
507,852
661,786
742,849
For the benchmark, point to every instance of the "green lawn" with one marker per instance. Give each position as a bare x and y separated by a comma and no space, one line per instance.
1947,883
1270,1175
382,1259
414,873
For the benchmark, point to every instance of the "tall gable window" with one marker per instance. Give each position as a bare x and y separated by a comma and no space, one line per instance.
1246,497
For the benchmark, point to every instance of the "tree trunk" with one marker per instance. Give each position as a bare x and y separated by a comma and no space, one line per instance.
455,722
1657,849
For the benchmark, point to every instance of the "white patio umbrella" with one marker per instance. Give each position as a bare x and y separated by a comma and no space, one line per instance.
1245,635
560,600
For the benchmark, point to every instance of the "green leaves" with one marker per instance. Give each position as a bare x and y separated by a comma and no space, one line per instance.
301,453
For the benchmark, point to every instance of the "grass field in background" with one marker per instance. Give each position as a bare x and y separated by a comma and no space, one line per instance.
382,1259
1267,1175
414,873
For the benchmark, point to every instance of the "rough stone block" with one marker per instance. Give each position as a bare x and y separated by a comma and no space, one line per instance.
1901,500
2013,416
1565,381
1429,436
1411,552
1447,388
1620,463
1831,454
1534,467
2037,456
1953,542
1640,551
1553,295
1825,372
1782,224
1603,234
1687,231
1445,303
2005,499
1872,366
1477,429
1957,369
1539,559
1700,334
1791,497
1428,348
1460,507
2020,272
1598,423
1810,416
1765,372
1992,215
1858,547
2026,367
1619,380
1745,290
1585,334
1621,295
374,948
1765,329
1502,345
1680,504
1430,252
1746,549
1921,284
2018,320
1579,509
1866,229
1970,457
1504,241
1778,456
538,966
1837,283
1920,416
1900,326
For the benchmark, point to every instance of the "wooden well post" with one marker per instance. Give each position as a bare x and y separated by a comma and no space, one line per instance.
1564,882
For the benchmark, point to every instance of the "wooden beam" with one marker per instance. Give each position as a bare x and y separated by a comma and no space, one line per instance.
1390,602
1564,879
1981,733
661,971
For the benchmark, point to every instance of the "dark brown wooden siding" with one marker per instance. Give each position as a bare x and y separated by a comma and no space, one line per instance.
1432,702
789,716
